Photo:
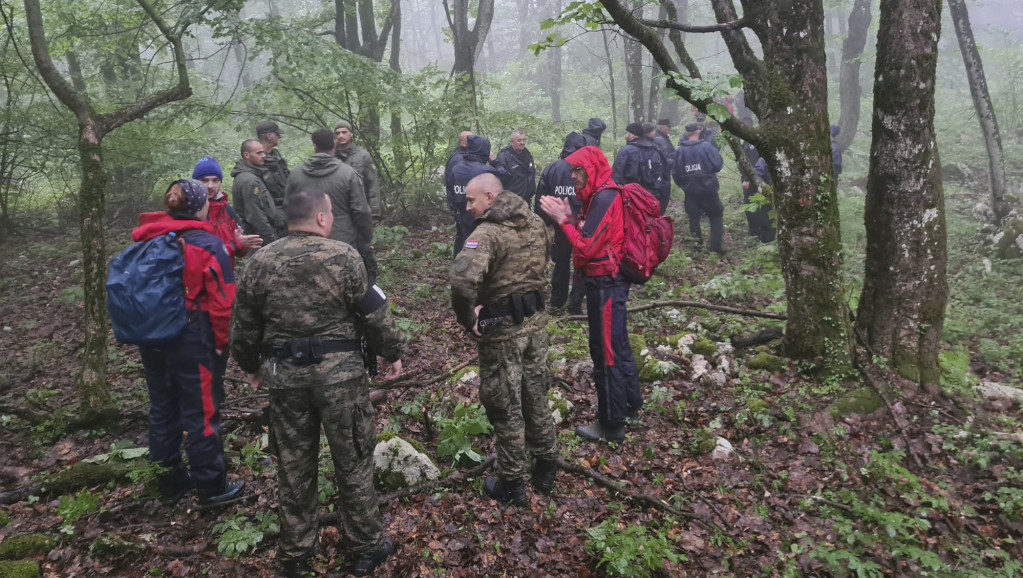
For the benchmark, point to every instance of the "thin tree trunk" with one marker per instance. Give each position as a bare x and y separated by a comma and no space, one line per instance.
902,307
611,82
849,91
634,79
982,104
397,137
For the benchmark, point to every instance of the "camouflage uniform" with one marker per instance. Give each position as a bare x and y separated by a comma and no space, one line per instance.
506,254
307,286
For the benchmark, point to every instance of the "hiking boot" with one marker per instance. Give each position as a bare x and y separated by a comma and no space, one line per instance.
173,486
544,472
506,491
599,432
369,562
171,496
232,490
575,309
299,568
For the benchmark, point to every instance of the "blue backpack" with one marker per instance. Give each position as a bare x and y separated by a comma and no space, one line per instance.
146,292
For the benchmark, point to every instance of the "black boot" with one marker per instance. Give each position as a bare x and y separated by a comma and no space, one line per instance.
230,491
369,562
173,486
599,432
544,472
506,491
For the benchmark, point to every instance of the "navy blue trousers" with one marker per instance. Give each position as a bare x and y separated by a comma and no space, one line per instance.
561,254
186,390
465,224
614,367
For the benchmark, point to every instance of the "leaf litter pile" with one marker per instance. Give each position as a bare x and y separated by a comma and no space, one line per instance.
743,464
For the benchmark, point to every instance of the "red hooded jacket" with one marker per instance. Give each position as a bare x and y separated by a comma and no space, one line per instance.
224,225
208,277
596,246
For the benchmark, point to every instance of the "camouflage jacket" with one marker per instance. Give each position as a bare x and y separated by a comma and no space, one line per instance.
507,253
357,158
307,286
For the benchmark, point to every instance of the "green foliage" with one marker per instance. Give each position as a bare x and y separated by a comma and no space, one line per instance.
704,441
19,569
955,371
253,456
453,441
72,508
767,362
5,519
630,551
389,238
703,346
238,534
113,546
72,295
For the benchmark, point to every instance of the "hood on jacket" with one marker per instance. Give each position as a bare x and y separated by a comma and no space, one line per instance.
644,142
159,223
508,209
835,130
244,167
321,165
573,142
595,128
598,171
479,147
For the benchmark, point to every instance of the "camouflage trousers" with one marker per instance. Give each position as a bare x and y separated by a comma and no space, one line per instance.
346,414
514,379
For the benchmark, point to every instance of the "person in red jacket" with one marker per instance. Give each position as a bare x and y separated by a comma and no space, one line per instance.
186,379
597,244
225,225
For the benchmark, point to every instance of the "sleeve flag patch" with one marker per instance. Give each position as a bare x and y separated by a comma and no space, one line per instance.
470,244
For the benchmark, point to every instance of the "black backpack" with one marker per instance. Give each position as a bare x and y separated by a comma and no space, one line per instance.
653,169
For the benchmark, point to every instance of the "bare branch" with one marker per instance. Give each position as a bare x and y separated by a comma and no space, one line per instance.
63,90
733,25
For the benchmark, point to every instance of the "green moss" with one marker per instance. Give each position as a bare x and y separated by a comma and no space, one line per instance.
84,475
5,519
638,344
703,346
757,406
862,401
703,442
1006,247
558,402
385,436
388,482
457,377
23,545
19,569
909,371
767,362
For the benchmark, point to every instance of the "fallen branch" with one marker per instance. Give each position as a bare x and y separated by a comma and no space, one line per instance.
696,305
635,496
414,378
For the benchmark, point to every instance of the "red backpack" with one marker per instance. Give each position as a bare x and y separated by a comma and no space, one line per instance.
648,236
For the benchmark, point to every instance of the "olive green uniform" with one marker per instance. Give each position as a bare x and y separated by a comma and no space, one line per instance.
506,255
309,286
360,160
276,175
254,206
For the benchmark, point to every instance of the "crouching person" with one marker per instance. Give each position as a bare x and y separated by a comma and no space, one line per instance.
303,306
497,287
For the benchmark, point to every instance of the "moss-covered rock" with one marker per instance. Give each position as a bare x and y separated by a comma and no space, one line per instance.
860,401
767,362
1006,246
19,569
467,373
22,545
703,346
112,546
85,475
638,343
757,406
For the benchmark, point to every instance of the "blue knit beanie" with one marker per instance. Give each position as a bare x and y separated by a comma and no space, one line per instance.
207,167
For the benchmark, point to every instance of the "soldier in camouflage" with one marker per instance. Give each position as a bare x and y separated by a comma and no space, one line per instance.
303,306
497,286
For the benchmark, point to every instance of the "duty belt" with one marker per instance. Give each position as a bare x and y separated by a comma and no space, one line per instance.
308,350
518,306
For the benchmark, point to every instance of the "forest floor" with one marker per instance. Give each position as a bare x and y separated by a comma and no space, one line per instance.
826,478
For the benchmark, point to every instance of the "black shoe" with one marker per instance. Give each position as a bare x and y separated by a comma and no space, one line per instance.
544,472
575,309
505,491
297,568
599,432
231,491
369,562
171,496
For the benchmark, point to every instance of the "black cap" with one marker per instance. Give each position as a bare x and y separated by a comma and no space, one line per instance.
266,127
664,122
635,128
648,127
692,127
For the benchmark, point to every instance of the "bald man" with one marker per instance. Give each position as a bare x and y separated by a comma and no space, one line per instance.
497,288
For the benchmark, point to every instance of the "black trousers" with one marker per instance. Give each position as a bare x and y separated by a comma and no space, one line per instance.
614,368
701,204
465,224
561,254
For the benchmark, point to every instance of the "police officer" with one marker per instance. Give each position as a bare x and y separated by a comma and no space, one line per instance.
697,163
556,181
497,285
518,162
641,161
275,168
593,131
475,161
303,343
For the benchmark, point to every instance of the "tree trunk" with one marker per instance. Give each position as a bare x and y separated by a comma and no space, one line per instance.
634,79
396,128
902,308
849,92
611,82
982,104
